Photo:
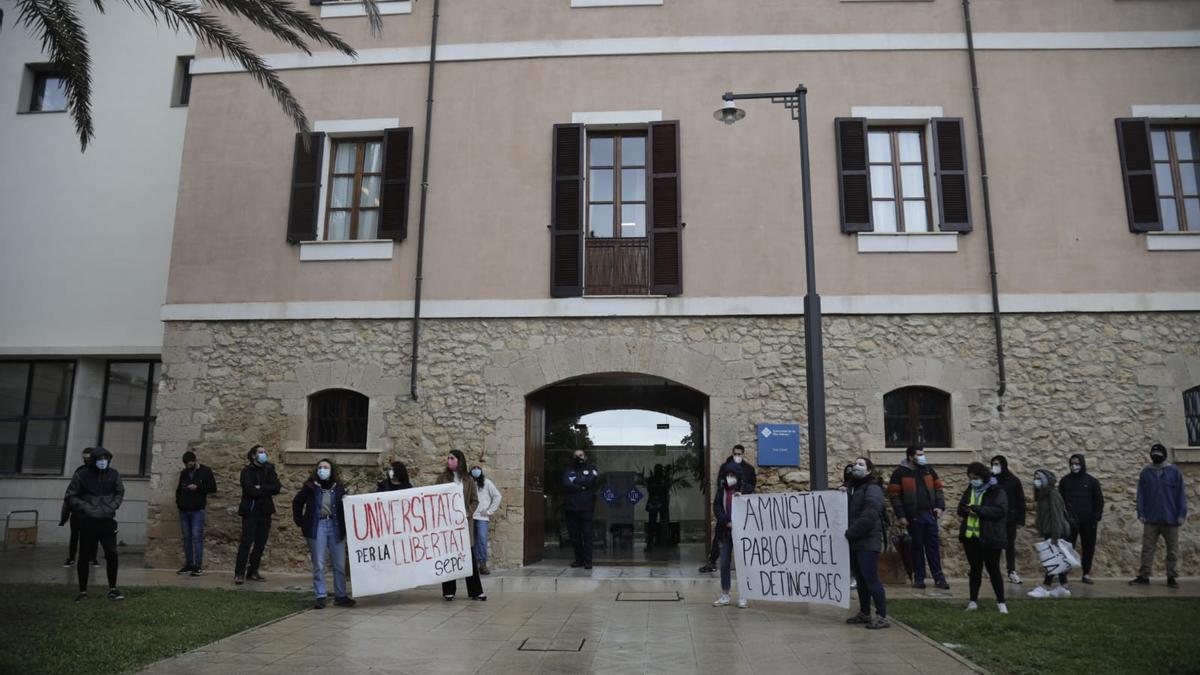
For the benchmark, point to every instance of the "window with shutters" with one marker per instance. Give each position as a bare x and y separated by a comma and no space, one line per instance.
899,179
355,179
35,405
1191,415
1176,156
916,416
616,219
337,419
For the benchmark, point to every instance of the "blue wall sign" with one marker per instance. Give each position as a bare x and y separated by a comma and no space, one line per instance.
609,495
634,495
778,444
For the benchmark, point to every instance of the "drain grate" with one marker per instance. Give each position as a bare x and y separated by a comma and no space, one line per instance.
626,596
537,644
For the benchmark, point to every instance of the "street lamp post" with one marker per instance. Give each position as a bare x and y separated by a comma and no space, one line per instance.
814,363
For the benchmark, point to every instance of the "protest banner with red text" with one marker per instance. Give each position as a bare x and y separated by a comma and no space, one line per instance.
407,538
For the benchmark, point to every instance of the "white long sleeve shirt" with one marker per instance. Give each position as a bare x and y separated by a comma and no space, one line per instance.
489,500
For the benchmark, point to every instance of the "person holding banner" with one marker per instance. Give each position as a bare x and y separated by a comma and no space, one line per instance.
456,473
865,534
983,509
396,478
723,511
317,511
747,477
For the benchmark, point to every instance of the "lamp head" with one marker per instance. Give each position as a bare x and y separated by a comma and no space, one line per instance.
729,113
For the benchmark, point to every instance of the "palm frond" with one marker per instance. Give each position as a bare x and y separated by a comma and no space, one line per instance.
64,40
274,16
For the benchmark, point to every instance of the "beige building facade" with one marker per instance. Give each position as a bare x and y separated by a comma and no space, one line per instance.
588,222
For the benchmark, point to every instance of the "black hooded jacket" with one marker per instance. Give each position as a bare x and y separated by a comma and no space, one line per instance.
260,484
1013,489
93,493
1081,492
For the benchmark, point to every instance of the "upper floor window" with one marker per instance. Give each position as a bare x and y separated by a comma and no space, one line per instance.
35,404
337,418
130,408
916,416
899,179
355,179
1191,415
183,80
1176,154
47,91
617,179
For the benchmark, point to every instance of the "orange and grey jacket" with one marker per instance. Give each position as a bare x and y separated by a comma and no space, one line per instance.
902,489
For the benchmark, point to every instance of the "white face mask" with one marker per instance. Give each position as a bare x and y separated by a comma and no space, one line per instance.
737,459
731,480
859,470
921,460
1037,482
391,474
323,473
996,469
1075,468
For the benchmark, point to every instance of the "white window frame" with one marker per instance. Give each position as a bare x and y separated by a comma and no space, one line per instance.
321,250
335,9
577,4
933,241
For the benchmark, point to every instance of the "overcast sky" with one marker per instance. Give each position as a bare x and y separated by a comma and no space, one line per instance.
634,427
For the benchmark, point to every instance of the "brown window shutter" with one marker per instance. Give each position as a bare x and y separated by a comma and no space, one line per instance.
665,212
566,212
1137,169
854,174
950,170
306,189
397,167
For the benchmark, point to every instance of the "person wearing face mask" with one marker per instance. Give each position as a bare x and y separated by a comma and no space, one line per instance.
747,477
489,503
983,509
96,493
917,500
723,512
317,511
1085,501
1015,492
259,484
865,535
75,519
579,502
456,472
395,478
1162,508
196,483
1052,521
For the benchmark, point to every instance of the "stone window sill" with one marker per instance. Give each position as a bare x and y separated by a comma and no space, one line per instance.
1173,241
341,457
890,457
1185,454
334,10
615,3
370,249
907,242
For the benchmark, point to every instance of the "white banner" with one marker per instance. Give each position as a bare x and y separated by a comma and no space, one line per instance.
791,547
407,538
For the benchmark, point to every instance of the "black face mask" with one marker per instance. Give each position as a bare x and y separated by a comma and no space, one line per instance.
1157,458
580,460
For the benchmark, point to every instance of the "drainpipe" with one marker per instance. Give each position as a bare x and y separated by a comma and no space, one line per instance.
987,204
416,321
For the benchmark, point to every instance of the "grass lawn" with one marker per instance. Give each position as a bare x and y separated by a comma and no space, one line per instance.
1066,636
45,632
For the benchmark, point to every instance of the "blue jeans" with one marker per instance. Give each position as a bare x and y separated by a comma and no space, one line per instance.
328,538
726,559
864,565
191,528
479,549
925,546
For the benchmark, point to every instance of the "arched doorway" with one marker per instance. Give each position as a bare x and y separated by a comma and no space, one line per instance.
638,424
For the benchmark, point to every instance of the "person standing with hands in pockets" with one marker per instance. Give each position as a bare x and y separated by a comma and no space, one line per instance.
260,484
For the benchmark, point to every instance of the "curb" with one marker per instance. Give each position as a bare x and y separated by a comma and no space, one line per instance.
232,635
942,648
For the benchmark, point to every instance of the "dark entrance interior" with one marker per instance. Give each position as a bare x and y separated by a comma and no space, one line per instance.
628,424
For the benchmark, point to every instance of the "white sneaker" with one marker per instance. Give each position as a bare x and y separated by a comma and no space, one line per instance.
1060,592
721,601
853,584
741,603
1002,607
1014,577
972,606
1039,592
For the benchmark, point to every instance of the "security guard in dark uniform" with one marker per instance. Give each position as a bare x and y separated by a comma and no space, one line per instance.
579,501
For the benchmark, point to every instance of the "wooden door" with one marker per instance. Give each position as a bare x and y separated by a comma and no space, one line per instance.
535,470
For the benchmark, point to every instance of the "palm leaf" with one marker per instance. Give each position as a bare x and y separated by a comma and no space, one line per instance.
63,38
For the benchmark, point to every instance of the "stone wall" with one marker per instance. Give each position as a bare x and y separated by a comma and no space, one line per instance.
1106,385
